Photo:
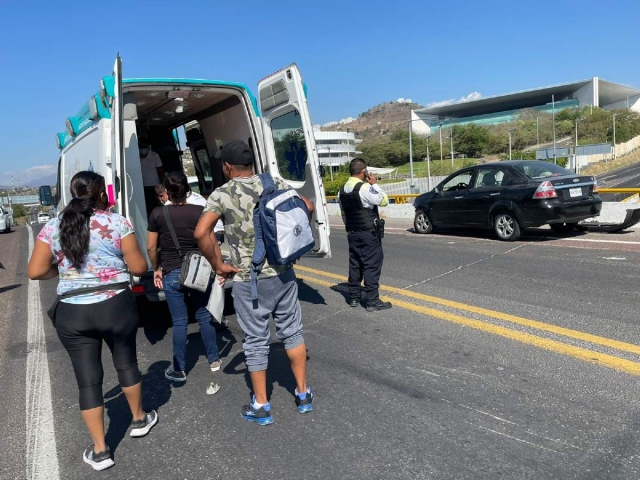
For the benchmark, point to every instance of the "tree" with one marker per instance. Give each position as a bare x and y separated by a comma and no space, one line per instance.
470,139
19,211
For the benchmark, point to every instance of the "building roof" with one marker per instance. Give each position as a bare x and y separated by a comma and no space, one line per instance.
609,92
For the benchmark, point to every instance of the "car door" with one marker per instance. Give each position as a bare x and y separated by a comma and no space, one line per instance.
291,147
487,189
448,207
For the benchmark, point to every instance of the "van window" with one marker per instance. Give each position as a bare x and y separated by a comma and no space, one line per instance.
290,145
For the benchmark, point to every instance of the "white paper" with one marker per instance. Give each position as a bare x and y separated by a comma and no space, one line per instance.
216,301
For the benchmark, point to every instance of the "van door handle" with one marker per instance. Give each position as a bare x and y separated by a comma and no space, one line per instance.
131,184
494,194
458,198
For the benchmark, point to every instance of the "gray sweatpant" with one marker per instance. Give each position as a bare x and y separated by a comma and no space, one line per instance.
277,296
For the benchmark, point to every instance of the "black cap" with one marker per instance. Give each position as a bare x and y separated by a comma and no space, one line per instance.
236,152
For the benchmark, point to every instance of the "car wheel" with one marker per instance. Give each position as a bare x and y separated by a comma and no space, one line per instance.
422,222
506,226
563,227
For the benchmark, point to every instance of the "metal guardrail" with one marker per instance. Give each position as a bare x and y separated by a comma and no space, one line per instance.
618,190
400,199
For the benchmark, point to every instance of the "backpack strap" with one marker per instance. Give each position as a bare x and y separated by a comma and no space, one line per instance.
172,231
260,252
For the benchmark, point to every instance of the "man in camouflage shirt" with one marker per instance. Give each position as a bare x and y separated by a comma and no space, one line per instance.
234,203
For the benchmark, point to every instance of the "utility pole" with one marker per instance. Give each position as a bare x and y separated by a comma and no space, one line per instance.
553,108
330,163
451,137
441,157
510,130
428,166
348,145
615,148
411,182
537,133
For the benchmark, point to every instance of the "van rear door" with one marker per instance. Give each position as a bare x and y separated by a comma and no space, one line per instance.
291,147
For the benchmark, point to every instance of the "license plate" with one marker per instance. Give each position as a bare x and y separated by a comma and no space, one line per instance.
575,192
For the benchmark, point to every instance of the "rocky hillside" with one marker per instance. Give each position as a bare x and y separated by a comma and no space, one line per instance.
378,122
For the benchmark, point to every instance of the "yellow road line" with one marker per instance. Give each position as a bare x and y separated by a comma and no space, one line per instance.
567,332
589,356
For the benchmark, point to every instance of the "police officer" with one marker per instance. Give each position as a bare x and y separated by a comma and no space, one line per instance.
359,200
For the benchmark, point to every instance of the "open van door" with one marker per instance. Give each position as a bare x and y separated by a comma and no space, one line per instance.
118,167
291,146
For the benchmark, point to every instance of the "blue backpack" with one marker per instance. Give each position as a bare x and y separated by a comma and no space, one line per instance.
282,229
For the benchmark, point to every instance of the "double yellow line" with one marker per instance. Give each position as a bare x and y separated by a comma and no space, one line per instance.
585,354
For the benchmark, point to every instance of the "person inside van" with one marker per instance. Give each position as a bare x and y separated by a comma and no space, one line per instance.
152,173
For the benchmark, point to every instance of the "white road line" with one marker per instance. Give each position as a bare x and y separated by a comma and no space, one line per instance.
41,456
595,240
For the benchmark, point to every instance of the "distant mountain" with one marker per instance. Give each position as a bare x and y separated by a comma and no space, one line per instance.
377,123
48,180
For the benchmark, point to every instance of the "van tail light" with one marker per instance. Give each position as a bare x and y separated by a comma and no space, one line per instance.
137,289
545,190
595,186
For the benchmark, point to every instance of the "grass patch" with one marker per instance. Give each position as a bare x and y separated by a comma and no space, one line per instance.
437,167
601,168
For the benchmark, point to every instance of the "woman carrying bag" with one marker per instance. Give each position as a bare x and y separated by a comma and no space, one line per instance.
93,252
171,228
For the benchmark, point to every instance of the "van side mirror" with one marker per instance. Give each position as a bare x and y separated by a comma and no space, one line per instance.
46,197
323,171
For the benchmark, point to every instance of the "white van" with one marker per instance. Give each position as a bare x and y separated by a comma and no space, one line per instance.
103,137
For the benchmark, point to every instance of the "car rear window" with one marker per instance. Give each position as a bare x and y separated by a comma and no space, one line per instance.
542,169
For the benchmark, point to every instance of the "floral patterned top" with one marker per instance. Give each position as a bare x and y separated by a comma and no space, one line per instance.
104,263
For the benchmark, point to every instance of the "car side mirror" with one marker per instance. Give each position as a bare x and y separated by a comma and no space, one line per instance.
46,197
601,183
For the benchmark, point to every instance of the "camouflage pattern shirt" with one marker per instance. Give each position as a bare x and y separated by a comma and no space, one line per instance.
234,202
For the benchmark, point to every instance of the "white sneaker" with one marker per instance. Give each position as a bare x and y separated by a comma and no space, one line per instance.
141,427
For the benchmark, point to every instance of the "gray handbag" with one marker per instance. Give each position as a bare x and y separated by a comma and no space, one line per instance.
196,271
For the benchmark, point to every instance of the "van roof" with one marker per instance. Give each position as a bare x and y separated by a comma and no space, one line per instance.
195,81
82,120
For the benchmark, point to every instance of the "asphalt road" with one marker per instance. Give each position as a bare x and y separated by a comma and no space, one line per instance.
626,177
498,360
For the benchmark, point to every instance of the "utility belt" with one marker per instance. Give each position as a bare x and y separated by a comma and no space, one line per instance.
377,229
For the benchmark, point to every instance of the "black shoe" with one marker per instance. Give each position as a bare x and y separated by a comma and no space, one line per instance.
98,461
379,306
355,302
262,416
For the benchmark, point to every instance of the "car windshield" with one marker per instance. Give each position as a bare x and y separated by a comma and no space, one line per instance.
541,169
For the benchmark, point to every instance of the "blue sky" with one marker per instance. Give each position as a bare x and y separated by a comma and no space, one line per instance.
353,54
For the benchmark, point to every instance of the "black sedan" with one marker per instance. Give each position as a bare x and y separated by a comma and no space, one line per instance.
508,197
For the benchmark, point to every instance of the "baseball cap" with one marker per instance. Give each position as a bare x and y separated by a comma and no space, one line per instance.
236,152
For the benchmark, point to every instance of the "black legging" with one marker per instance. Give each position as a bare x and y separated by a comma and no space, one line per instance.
82,328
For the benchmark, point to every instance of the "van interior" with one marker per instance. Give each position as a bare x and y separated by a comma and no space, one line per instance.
210,116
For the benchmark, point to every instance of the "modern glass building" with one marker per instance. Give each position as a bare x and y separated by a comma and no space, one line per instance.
593,92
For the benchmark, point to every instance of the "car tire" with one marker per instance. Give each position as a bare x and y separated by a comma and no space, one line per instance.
563,227
422,223
506,226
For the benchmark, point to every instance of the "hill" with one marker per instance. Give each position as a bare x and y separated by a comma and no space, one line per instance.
377,123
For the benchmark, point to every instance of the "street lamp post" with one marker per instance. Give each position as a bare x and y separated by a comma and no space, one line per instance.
510,130
537,133
451,138
428,166
553,107
330,163
615,148
411,183
348,145
441,157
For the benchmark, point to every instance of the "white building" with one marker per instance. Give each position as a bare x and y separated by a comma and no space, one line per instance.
336,148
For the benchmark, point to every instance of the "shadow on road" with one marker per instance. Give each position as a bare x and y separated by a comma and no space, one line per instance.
10,287
279,370
308,294
156,392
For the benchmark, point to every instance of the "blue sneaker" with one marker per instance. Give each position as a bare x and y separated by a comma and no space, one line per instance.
262,415
305,405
